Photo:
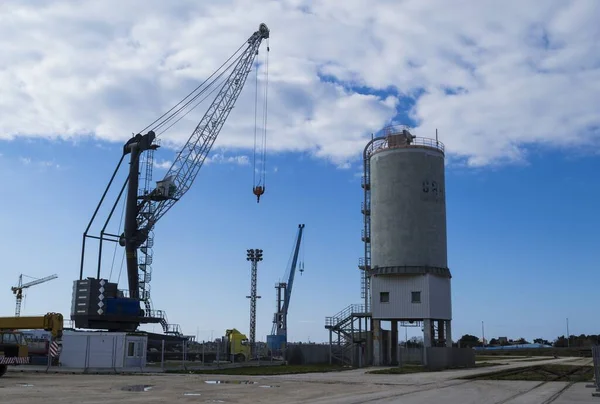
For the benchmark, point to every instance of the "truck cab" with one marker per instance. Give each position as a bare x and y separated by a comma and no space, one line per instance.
238,346
13,349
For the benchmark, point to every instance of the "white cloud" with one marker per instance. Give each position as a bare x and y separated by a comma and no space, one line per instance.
493,77
39,163
221,158
163,165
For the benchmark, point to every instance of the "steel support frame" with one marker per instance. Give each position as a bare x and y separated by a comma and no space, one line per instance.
254,256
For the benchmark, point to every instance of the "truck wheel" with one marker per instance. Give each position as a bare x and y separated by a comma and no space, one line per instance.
2,370
239,358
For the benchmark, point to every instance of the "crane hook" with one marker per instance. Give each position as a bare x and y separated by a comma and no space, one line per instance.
258,191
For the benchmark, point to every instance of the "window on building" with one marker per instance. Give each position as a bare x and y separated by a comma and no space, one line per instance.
384,297
131,349
140,349
416,297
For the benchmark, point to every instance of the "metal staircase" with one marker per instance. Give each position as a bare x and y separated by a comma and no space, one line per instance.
145,258
148,209
348,332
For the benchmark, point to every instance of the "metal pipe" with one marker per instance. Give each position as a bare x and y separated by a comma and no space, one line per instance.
130,228
113,235
106,224
87,229
104,238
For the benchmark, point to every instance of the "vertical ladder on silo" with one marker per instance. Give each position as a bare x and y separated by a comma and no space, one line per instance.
365,262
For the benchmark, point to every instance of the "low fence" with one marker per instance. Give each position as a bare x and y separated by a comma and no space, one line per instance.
596,361
120,352
574,352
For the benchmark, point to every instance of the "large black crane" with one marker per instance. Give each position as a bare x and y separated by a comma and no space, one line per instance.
277,341
98,303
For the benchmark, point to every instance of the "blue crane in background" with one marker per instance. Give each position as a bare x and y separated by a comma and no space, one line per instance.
277,341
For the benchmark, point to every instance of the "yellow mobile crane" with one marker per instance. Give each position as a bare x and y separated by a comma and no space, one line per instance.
13,347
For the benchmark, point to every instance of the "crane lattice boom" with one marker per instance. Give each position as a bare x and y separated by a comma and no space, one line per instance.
18,290
186,166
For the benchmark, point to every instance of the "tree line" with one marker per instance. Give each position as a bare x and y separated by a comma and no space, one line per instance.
574,341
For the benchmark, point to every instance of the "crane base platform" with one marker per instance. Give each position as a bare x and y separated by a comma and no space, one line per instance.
115,322
98,304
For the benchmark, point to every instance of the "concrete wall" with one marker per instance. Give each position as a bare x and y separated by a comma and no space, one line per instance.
307,354
410,355
444,358
408,234
408,209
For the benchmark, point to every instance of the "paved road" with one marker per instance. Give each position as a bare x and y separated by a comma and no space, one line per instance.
349,387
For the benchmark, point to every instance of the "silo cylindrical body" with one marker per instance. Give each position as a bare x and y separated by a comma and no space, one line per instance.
408,209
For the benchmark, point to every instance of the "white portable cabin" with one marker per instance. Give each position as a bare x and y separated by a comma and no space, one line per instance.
101,350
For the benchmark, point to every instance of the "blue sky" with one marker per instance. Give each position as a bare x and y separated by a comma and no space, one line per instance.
513,93
521,239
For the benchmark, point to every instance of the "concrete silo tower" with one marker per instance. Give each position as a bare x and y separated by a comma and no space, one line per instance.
405,268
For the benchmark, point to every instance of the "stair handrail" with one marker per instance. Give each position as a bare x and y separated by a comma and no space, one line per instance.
344,314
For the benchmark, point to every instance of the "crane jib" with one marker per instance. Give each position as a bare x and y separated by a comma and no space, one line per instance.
141,217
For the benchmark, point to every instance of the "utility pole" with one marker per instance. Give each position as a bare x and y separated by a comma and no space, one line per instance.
254,256
482,335
568,338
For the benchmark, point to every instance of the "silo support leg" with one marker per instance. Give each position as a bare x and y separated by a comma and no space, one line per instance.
377,342
394,338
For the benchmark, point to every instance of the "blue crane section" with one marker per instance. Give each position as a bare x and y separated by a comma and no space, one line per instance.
277,341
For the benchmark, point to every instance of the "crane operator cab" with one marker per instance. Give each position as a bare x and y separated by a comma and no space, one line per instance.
258,191
165,189
13,349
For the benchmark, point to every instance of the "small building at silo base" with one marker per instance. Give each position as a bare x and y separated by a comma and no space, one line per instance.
103,350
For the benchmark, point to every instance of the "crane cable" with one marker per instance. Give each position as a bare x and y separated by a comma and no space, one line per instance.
171,116
265,110
195,106
259,186
112,265
255,127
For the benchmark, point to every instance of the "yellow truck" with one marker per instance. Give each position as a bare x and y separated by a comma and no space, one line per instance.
238,346
13,346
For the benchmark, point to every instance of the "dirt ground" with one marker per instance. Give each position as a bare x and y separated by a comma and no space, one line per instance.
348,387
